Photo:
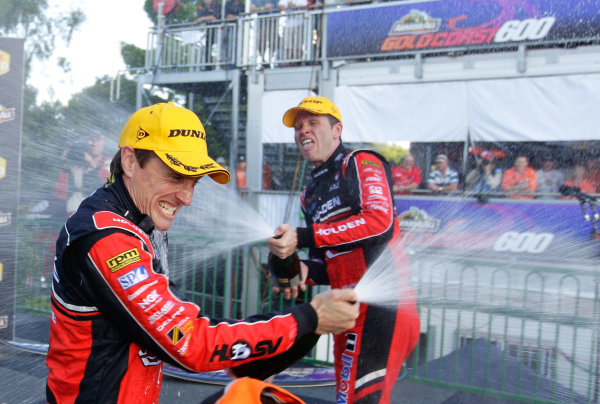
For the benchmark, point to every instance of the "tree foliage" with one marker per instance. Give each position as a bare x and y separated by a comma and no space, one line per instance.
392,153
185,14
50,128
29,19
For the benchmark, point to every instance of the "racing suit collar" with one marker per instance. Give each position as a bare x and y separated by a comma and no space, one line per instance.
125,206
337,155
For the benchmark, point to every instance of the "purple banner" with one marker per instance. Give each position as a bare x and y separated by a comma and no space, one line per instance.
540,229
458,23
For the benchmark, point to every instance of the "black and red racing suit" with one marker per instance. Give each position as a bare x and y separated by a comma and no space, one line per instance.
115,317
349,210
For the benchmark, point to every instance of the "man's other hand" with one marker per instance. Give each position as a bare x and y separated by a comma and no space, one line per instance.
336,309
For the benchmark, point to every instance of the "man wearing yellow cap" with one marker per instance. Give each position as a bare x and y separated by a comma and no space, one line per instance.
115,316
351,221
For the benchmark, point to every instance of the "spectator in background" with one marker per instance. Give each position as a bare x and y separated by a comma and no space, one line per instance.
267,29
85,167
485,177
266,182
208,11
292,30
520,180
233,8
406,177
443,178
580,179
593,173
222,162
261,6
240,173
548,179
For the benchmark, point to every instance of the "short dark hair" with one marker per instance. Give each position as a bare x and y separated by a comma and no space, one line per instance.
332,120
142,156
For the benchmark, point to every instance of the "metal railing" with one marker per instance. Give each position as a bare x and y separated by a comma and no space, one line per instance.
255,40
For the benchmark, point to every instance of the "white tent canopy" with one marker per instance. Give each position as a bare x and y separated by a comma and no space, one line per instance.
552,108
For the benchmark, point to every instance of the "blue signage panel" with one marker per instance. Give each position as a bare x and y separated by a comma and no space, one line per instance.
458,23
535,229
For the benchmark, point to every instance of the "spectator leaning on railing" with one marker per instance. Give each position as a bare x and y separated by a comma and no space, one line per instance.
406,177
443,178
485,177
520,180
548,178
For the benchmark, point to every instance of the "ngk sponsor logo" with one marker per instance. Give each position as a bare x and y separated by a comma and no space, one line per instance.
6,114
4,62
150,300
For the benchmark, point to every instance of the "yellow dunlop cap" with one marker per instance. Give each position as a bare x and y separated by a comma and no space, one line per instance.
315,105
177,137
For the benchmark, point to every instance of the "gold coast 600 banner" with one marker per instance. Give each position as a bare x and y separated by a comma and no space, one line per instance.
438,25
11,94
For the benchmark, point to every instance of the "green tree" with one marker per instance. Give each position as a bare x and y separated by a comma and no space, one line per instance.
29,19
393,153
185,14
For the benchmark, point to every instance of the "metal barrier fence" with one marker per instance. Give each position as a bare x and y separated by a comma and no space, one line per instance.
257,40
187,48
517,330
524,331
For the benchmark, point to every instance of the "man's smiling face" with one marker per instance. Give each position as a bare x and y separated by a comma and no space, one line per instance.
157,190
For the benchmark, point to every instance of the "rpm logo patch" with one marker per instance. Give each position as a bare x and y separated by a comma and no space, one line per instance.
122,260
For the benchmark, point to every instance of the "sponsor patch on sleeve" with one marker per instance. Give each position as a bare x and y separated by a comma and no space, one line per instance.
133,277
370,163
123,259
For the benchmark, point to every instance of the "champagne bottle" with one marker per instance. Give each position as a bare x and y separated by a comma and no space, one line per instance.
286,271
